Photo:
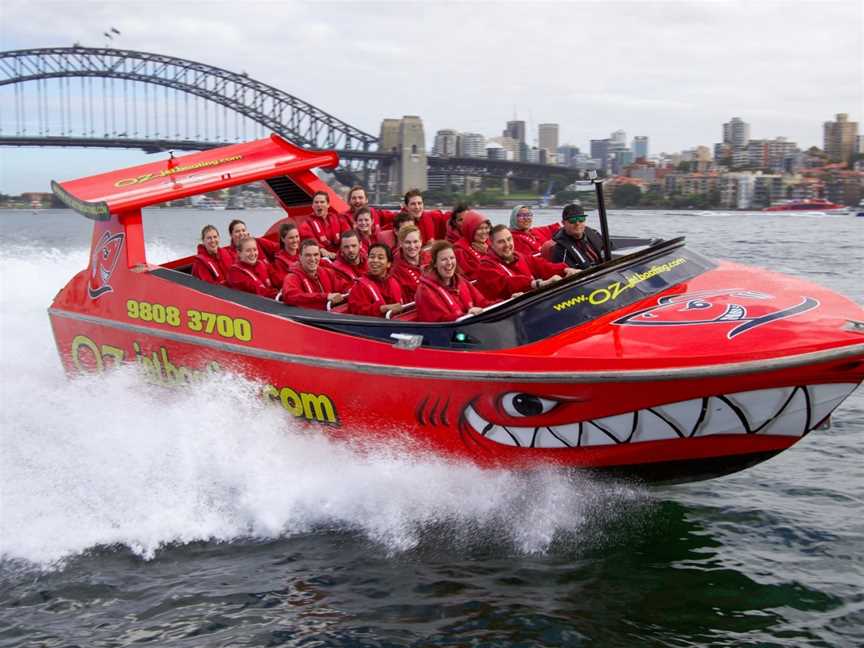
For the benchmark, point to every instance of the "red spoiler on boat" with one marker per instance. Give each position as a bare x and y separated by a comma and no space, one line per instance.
141,186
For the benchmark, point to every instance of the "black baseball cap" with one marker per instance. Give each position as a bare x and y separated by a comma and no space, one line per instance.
573,213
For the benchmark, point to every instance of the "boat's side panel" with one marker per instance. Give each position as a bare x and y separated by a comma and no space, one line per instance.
511,423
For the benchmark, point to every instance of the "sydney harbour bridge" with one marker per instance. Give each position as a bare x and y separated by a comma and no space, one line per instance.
114,98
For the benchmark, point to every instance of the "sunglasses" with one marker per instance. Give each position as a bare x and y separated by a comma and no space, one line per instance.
576,219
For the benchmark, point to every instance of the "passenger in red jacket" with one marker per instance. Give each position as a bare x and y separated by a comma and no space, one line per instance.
249,273
237,231
528,239
357,199
323,225
288,254
443,295
211,262
350,265
454,223
308,285
376,294
505,273
474,243
407,264
366,229
432,223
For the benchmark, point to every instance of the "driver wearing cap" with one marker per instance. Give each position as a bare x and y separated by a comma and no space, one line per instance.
576,244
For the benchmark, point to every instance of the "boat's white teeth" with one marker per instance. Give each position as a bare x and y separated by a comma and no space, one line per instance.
475,420
825,398
547,439
683,415
785,411
653,427
619,426
761,405
499,434
595,436
793,419
569,433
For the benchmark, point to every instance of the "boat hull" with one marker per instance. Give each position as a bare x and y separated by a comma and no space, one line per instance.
663,426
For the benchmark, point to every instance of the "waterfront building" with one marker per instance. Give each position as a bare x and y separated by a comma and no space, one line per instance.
600,151
839,138
471,145
639,147
736,190
446,143
547,138
768,188
736,132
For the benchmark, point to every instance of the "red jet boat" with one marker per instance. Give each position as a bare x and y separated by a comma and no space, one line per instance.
807,205
660,364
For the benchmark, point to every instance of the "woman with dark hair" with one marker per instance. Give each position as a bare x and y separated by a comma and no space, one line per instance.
211,262
454,223
237,231
249,273
288,254
527,239
474,243
376,293
444,295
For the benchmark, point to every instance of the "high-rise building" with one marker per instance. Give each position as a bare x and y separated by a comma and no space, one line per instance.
406,137
567,153
508,144
640,146
547,138
839,138
446,143
618,138
600,152
516,130
472,145
736,132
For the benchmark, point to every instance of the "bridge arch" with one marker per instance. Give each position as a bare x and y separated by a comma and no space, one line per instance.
274,109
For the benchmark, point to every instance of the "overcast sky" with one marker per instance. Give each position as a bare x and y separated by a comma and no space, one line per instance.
674,71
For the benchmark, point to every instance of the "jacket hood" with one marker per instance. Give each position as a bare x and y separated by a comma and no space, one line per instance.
470,222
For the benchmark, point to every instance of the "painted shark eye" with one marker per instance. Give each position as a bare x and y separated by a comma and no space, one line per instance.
695,304
519,405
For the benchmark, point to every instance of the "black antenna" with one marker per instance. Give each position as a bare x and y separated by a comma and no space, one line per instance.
601,208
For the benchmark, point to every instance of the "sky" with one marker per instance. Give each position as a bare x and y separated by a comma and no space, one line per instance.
674,71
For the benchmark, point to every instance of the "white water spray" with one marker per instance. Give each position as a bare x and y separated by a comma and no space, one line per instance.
112,461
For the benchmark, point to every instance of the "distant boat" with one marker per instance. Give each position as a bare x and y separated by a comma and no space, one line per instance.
806,205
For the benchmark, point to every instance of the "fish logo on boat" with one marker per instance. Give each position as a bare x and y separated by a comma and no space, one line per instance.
105,257
747,309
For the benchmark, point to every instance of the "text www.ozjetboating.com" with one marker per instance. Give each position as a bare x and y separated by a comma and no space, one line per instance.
613,290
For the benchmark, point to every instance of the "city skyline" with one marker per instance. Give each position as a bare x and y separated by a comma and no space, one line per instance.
671,72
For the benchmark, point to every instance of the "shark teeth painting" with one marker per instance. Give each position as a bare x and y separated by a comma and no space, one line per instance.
785,411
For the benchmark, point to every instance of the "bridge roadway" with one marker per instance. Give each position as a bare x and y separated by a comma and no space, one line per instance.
448,166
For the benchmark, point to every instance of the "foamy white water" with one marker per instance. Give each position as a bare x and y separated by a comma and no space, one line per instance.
102,461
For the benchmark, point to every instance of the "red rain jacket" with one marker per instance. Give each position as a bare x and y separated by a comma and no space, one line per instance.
439,303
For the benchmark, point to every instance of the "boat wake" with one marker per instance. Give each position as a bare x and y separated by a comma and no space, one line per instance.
96,463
